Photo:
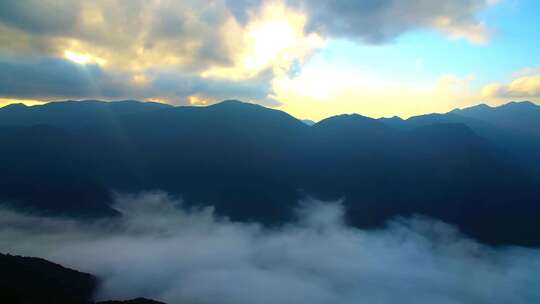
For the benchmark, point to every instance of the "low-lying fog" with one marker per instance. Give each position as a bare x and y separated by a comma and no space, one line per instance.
158,250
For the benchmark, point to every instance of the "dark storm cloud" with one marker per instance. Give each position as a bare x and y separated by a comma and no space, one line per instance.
181,24
378,21
52,77
40,16
241,9
188,28
175,84
58,78
174,41
160,251
192,22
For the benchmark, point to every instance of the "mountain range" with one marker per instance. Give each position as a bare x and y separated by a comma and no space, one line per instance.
476,168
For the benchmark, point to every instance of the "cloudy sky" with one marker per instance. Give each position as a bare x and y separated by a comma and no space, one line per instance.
311,58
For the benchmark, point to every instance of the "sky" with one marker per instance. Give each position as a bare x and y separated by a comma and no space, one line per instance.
312,59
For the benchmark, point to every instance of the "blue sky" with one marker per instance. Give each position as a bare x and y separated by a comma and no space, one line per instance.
424,55
514,46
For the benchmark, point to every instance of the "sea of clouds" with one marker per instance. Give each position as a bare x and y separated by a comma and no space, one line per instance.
157,249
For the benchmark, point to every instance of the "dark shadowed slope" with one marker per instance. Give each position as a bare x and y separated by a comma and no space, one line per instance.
238,157
29,280
254,164
442,170
513,128
25,280
42,167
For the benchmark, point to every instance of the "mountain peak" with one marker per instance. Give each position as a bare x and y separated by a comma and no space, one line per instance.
355,121
232,102
12,106
477,108
481,106
235,105
308,122
484,107
394,118
522,104
349,117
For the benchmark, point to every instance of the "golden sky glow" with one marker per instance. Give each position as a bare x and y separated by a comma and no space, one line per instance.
312,59
376,97
273,39
28,102
197,101
83,58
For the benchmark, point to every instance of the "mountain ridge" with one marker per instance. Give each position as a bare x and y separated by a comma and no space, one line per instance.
236,103
252,163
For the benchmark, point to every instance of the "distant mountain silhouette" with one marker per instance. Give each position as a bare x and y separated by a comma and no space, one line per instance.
30,280
523,116
253,164
513,128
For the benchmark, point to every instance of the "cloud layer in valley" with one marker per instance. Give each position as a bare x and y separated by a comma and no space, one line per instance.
158,250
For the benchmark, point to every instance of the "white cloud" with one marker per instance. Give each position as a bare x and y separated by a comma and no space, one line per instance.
210,41
156,250
521,87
